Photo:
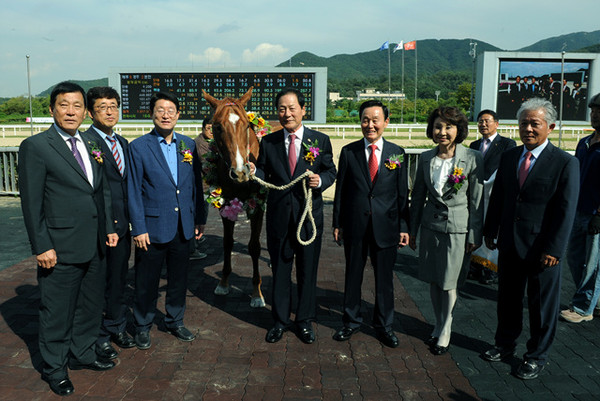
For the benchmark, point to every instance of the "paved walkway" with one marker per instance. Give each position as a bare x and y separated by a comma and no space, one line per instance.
230,360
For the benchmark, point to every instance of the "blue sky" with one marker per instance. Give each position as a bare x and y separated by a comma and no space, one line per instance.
84,39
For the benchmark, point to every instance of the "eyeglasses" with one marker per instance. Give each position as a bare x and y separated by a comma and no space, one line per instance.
103,108
169,112
485,121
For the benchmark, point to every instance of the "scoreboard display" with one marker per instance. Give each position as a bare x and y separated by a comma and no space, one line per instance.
136,89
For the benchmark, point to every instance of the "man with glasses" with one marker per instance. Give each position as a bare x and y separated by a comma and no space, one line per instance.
492,145
103,109
166,211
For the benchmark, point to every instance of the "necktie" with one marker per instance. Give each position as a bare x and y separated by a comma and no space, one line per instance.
485,145
524,169
115,152
77,154
292,154
373,163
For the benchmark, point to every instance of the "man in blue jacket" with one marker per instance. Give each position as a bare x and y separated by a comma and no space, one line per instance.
166,212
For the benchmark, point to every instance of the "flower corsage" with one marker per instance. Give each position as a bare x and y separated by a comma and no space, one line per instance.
186,152
263,127
96,152
394,162
312,151
457,178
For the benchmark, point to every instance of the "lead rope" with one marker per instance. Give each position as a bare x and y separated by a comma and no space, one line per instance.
307,204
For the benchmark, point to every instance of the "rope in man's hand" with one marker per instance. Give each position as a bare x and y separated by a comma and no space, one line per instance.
307,204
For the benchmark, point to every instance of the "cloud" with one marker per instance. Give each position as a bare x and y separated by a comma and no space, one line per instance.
231,27
211,56
264,53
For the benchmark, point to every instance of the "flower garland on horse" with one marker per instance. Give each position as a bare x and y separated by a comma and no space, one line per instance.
231,208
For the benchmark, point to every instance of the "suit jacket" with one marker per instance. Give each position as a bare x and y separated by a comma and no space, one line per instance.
454,212
538,217
357,200
156,203
62,211
491,159
272,166
117,182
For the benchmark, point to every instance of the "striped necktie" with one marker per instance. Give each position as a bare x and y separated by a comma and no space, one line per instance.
115,152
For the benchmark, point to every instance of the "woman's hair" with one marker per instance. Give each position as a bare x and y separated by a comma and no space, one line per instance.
451,115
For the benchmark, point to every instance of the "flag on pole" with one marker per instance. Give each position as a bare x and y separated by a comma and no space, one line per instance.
410,45
398,46
385,45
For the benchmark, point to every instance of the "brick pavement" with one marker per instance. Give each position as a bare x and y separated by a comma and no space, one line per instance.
230,360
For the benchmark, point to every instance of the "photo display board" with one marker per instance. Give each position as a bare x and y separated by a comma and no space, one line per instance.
568,80
136,89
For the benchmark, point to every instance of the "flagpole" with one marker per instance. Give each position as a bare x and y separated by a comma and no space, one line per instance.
415,116
389,78
403,95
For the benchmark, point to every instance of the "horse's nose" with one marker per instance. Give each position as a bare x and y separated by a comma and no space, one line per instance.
239,176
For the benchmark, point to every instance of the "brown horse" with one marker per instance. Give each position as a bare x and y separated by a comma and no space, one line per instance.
236,144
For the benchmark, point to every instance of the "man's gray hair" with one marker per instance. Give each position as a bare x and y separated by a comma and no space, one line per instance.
538,103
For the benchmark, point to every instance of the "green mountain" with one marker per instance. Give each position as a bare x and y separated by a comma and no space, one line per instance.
84,84
442,64
572,42
433,56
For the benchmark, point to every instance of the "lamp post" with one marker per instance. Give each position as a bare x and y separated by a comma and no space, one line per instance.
29,91
473,54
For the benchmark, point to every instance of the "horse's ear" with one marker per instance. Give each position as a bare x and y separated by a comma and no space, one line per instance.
244,99
211,100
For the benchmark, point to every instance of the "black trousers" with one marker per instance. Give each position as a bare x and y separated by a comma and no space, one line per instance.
543,300
70,314
282,252
176,255
383,260
115,307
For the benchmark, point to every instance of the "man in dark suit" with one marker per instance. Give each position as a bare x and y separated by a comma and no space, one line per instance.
166,210
370,215
103,107
531,213
285,155
66,209
492,145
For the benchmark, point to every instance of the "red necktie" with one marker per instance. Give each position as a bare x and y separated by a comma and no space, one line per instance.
292,154
373,163
115,152
524,169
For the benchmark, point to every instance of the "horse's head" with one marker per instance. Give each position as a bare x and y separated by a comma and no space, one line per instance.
234,135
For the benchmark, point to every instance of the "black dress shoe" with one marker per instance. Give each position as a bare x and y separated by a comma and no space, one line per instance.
498,354
62,387
529,369
431,341
307,335
106,351
123,340
439,350
142,340
388,338
345,333
97,365
274,335
182,333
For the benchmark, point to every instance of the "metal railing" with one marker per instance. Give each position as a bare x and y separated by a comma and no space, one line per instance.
9,157
9,182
